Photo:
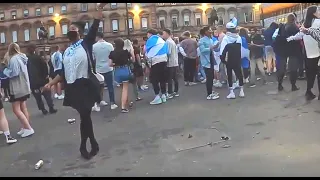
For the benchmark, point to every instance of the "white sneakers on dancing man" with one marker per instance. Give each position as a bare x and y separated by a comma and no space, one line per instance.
232,94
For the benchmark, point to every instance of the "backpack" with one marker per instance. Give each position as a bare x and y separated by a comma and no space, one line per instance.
280,43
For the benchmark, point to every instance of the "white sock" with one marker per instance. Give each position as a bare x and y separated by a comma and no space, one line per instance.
241,88
6,133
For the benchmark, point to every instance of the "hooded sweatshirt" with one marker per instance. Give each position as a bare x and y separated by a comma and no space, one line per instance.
17,72
231,44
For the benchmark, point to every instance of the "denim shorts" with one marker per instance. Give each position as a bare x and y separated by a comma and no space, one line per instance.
122,74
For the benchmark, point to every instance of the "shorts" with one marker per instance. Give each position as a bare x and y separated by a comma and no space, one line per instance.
122,74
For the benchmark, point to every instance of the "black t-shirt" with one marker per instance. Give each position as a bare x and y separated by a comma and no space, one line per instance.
120,57
257,52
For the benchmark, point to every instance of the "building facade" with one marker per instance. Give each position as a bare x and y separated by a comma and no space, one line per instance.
20,22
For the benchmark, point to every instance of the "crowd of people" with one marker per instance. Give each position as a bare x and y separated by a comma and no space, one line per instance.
219,55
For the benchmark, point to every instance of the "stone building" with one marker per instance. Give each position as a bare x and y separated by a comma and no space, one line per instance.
20,22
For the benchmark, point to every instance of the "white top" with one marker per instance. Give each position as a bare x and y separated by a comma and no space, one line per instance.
56,60
101,51
172,53
310,44
75,64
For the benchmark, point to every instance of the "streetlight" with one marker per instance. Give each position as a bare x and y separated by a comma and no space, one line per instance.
136,8
56,14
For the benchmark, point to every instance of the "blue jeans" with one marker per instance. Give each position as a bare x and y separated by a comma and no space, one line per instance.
108,79
201,71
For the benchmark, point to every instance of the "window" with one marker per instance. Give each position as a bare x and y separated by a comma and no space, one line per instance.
231,15
14,14
113,5
51,31
84,7
50,10
144,23
26,35
38,29
64,9
64,29
100,29
174,20
38,12
198,19
14,36
160,4
115,25
162,21
130,24
129,4
2,38
173,4
86,28
1,16
186,19
246,17
250,17
26,13
221,21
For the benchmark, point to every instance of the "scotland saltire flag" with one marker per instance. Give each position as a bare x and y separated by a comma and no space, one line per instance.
156,46
244,48
234,21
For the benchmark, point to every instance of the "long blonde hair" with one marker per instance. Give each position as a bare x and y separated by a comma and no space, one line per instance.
13,49
128,45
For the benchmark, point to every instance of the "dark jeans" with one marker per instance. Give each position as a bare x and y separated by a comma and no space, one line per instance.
312,70
5,86
209,77
108,79
189,69
302,61
172,71
237,71
86,131
158,77
47,96
293,65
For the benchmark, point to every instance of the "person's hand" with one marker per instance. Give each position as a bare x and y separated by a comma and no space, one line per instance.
304,30
99,14
46,87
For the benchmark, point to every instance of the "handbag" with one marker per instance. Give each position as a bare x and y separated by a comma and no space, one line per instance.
94,79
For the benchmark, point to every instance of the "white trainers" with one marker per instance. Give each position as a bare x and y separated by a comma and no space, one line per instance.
231,95
245,81
27,132
213,97
61,97
1,132
103,103
217,84
114,106
186,83
156,100
236,85
56,95
96,108
204,81
6,99
10,140
20,132
192,83
164,98
241,93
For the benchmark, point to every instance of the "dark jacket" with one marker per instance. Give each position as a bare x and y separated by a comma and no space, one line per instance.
38,71
293,47
268,36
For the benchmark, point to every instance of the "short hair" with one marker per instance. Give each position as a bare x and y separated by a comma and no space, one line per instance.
160,32
135,41
202,32
152,31
186,33
168,31
206,28
100,35
81,26
31,48
118,43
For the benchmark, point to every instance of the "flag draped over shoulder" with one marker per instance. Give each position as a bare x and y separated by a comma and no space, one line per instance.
234,21
244,48
156,46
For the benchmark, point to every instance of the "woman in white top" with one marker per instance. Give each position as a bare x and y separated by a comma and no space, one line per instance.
312,49
81,92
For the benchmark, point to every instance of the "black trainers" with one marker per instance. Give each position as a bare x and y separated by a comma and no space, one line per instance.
53,111
310,96
11,140
44,112
294,88
125,110
280,87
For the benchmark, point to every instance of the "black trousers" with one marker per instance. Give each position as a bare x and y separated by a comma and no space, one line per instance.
245,72
38,96
302,65
5,86
158,77
173,79
189,69
86,131
209,77
293,65
236,67
312,70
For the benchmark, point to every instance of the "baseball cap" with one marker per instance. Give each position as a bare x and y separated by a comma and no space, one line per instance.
230,25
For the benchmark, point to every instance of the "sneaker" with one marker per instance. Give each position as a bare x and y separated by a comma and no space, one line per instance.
252,85
170,96
245,81
103,103
258,79
241,93
138,99
1,132
223,82
44,112
114,106
124,110
186,83
52,111
20,132
204,81
27,132
6,99
96,108
231,96
212,97
11,140
215,93
56,95
144,87
217,84
156,100
235,85
61,97
175,94
280,87
164,98
192,83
